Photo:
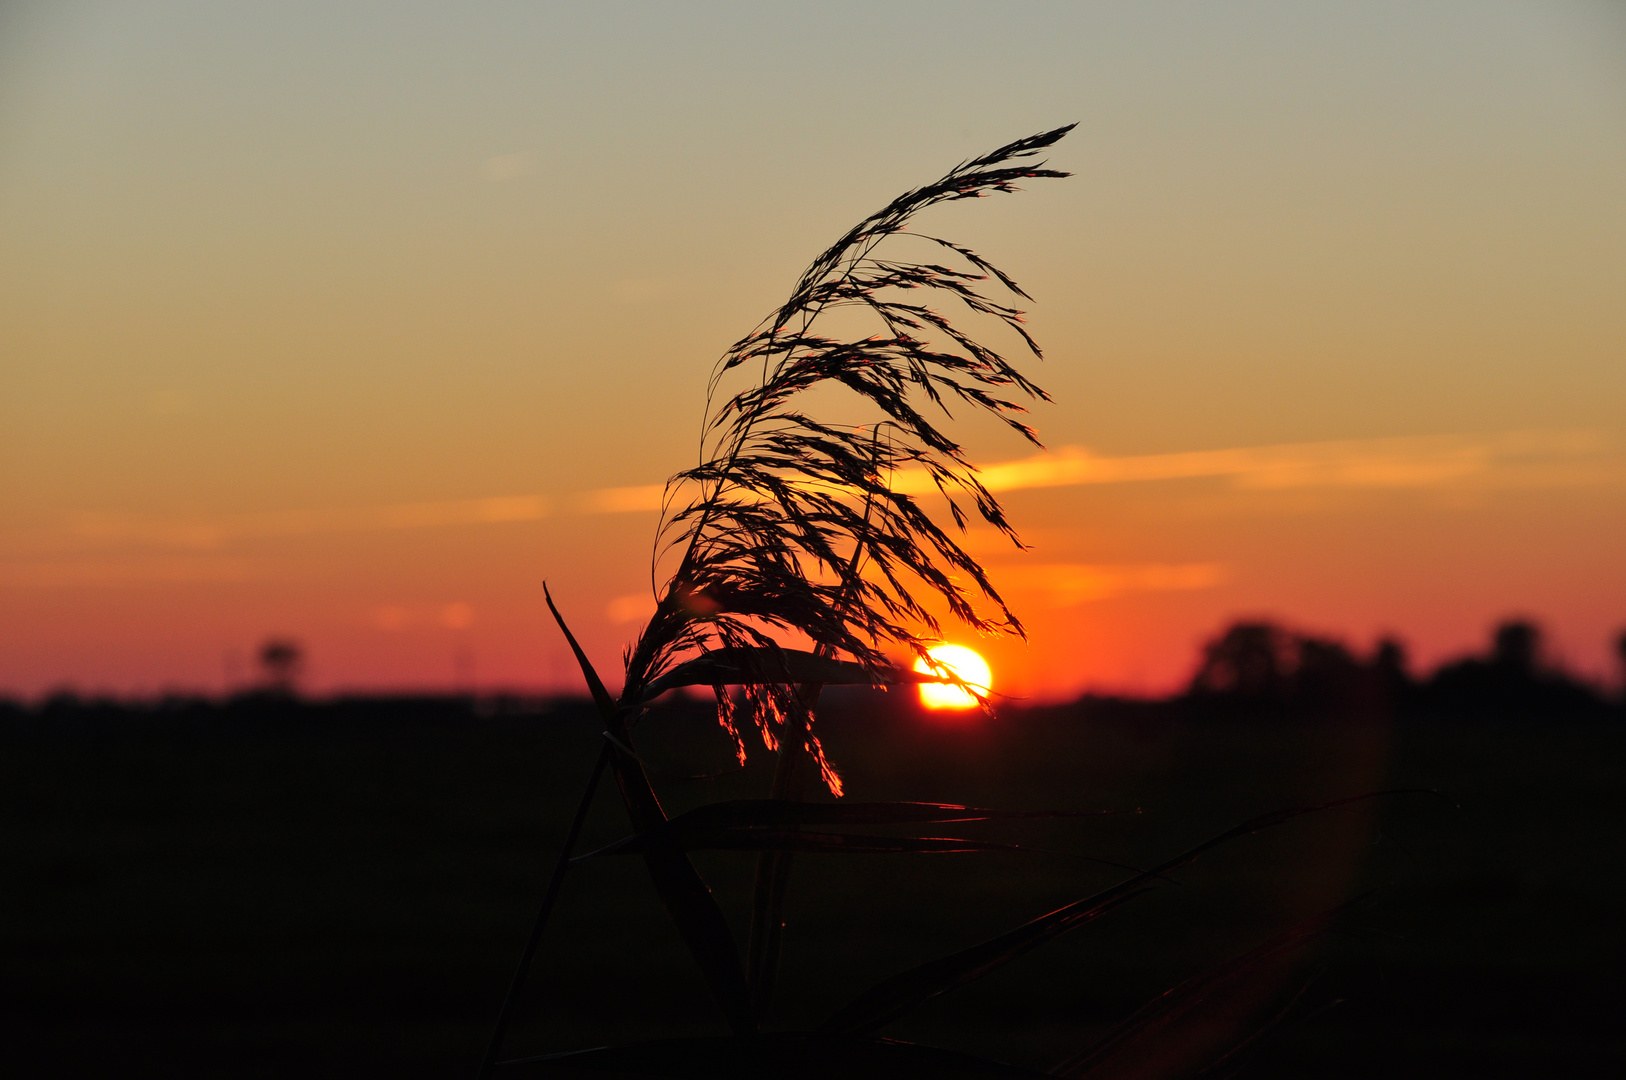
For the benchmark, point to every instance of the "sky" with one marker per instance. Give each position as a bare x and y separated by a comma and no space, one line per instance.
354,324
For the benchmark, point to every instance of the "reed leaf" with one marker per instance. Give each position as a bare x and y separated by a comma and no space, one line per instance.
734,666
768,824
686,897
781,813
798,840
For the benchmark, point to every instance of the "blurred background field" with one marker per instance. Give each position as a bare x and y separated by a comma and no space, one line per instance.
270,887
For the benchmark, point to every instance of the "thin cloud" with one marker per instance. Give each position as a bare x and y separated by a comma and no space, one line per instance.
1531,459
621,500
207,533
1070,584
1546,458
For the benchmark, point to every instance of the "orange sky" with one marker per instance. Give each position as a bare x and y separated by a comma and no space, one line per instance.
356,326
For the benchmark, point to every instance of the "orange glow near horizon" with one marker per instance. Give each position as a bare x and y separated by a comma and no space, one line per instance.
964,663
1330,310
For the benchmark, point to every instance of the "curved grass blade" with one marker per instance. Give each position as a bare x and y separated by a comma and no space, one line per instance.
781,813
684,894
1236,1058
772,824
892,998
771,883
903,993
799,1056
595,685
1103,1058
797,840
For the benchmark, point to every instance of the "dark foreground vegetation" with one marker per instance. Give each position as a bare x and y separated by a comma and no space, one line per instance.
276,887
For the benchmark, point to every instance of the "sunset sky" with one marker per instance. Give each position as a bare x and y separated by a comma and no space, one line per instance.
355,323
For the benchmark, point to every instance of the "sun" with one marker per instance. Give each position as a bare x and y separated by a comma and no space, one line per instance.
964,663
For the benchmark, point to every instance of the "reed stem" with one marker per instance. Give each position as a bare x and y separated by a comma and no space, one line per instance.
773,867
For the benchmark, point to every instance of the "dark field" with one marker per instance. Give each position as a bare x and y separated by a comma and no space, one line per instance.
341,889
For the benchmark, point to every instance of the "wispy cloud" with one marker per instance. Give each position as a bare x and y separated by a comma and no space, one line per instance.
1518,459
620,500
1069,584
1531,459
206,533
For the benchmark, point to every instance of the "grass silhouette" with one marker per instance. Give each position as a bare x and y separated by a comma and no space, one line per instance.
791,528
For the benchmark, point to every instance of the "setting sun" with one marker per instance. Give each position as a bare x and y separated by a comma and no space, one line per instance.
963,663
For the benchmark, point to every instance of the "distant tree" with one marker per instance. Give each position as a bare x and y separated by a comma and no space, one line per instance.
1250,661
1260,665
1391,673
1390,659
282,661
1516,647
1326,676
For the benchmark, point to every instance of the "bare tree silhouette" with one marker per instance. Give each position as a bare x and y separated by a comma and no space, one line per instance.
282,663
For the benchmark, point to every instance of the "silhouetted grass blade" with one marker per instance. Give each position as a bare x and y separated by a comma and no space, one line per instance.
1160,1018
892,998
772,824
595,685
798,840
685,895
800,1056
693,908
903,993
762,813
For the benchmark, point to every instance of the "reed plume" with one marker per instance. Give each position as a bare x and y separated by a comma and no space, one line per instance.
790,524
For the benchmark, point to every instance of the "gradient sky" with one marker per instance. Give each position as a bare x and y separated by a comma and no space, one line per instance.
352,322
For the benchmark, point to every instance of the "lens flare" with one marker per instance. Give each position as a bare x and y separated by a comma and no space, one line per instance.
962,662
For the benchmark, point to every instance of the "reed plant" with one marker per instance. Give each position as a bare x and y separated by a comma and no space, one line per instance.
791,558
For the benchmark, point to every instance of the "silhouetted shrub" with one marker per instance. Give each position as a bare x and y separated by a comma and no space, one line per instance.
1260,667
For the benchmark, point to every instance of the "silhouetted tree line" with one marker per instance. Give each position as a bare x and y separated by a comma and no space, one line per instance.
271,709
1261,667
1252,669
